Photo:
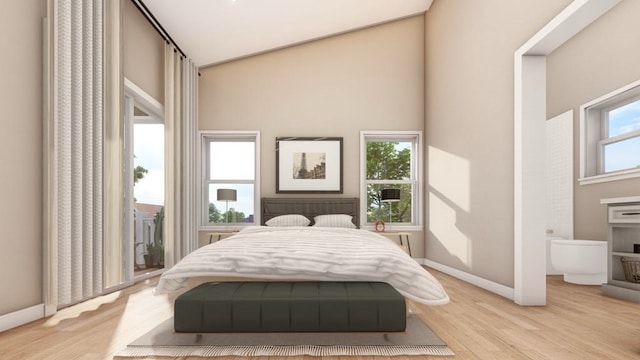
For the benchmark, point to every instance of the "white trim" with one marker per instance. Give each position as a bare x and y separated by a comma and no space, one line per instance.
21,317
144,101
593,135
569,22
529,231
620,175
128,221
417,167
395,228
620,200
602,100
529,219
491,286
203,169
134,97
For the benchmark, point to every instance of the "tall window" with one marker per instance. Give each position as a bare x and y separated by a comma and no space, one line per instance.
391,160
230,164
611,136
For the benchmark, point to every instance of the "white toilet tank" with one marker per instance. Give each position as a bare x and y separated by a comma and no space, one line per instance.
550,269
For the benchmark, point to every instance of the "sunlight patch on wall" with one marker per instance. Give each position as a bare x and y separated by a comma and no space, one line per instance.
449,175
449,202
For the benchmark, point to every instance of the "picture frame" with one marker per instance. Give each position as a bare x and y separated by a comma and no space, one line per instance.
309,165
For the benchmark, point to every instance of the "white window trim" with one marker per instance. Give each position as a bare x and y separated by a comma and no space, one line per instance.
416,168
591,141
202,173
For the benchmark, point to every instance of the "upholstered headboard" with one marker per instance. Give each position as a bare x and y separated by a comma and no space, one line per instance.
310,207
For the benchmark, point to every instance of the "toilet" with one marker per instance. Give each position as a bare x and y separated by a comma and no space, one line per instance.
582,262
550,269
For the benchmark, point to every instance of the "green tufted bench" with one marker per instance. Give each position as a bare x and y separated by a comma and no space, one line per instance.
290,307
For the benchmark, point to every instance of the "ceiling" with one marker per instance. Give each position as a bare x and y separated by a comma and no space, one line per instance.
215,31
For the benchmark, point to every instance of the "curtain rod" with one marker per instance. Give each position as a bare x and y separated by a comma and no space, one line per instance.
156,24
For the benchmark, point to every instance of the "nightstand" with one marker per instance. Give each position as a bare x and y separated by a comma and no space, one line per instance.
403,236
220,234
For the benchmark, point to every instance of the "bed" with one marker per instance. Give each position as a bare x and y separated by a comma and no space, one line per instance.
308,252
309,207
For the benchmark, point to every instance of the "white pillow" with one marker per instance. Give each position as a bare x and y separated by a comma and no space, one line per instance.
334,220
288,220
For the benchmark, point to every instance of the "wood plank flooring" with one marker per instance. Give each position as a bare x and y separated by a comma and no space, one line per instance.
578,323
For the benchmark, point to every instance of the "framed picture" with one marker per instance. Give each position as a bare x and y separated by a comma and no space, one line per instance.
309,165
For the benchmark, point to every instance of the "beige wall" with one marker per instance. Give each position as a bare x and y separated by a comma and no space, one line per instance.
21,155
143,53
469,129
602,58
372,79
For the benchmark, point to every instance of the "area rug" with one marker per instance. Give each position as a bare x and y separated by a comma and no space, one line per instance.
418,339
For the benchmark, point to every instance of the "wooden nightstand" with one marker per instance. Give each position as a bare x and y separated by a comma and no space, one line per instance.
403,236
220,234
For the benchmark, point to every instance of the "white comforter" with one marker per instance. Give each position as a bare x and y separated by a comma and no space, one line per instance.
308,253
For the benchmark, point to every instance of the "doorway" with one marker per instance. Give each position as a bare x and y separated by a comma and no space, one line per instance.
144,165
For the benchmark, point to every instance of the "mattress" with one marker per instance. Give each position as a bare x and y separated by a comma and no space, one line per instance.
308,253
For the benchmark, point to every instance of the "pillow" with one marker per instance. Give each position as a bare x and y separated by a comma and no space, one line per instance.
288,220
334,220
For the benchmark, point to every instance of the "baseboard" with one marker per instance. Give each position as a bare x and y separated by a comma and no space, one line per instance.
491,286
21,317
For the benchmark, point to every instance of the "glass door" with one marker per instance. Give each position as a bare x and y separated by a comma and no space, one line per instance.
143,230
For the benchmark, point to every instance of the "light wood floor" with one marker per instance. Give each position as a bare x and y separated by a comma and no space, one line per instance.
577,323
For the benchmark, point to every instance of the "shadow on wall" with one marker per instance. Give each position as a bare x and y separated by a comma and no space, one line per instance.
449,209
464,229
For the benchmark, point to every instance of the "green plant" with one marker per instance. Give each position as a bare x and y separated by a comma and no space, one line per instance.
158,236
155,248
156,253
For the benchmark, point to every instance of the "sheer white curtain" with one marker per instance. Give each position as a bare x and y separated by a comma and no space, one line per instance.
181,93
77,125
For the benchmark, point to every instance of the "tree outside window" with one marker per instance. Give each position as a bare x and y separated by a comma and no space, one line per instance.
389,162
230,163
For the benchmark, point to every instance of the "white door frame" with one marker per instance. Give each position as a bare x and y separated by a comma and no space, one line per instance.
529,139
134,97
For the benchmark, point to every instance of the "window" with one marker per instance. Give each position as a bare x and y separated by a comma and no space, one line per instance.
621,146
611,136
391,160
230,162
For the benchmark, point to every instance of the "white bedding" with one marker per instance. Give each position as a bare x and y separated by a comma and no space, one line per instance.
308,253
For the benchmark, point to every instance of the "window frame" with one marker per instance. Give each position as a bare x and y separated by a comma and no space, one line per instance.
416,181
206,137
594,131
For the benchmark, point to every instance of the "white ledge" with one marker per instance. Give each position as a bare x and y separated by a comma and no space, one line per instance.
622,175
620,200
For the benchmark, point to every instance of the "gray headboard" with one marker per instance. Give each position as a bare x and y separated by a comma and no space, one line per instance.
310,207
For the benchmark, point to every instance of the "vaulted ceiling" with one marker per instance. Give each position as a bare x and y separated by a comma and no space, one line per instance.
215,31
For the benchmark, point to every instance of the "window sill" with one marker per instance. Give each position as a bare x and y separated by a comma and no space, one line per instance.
395,228
620,175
